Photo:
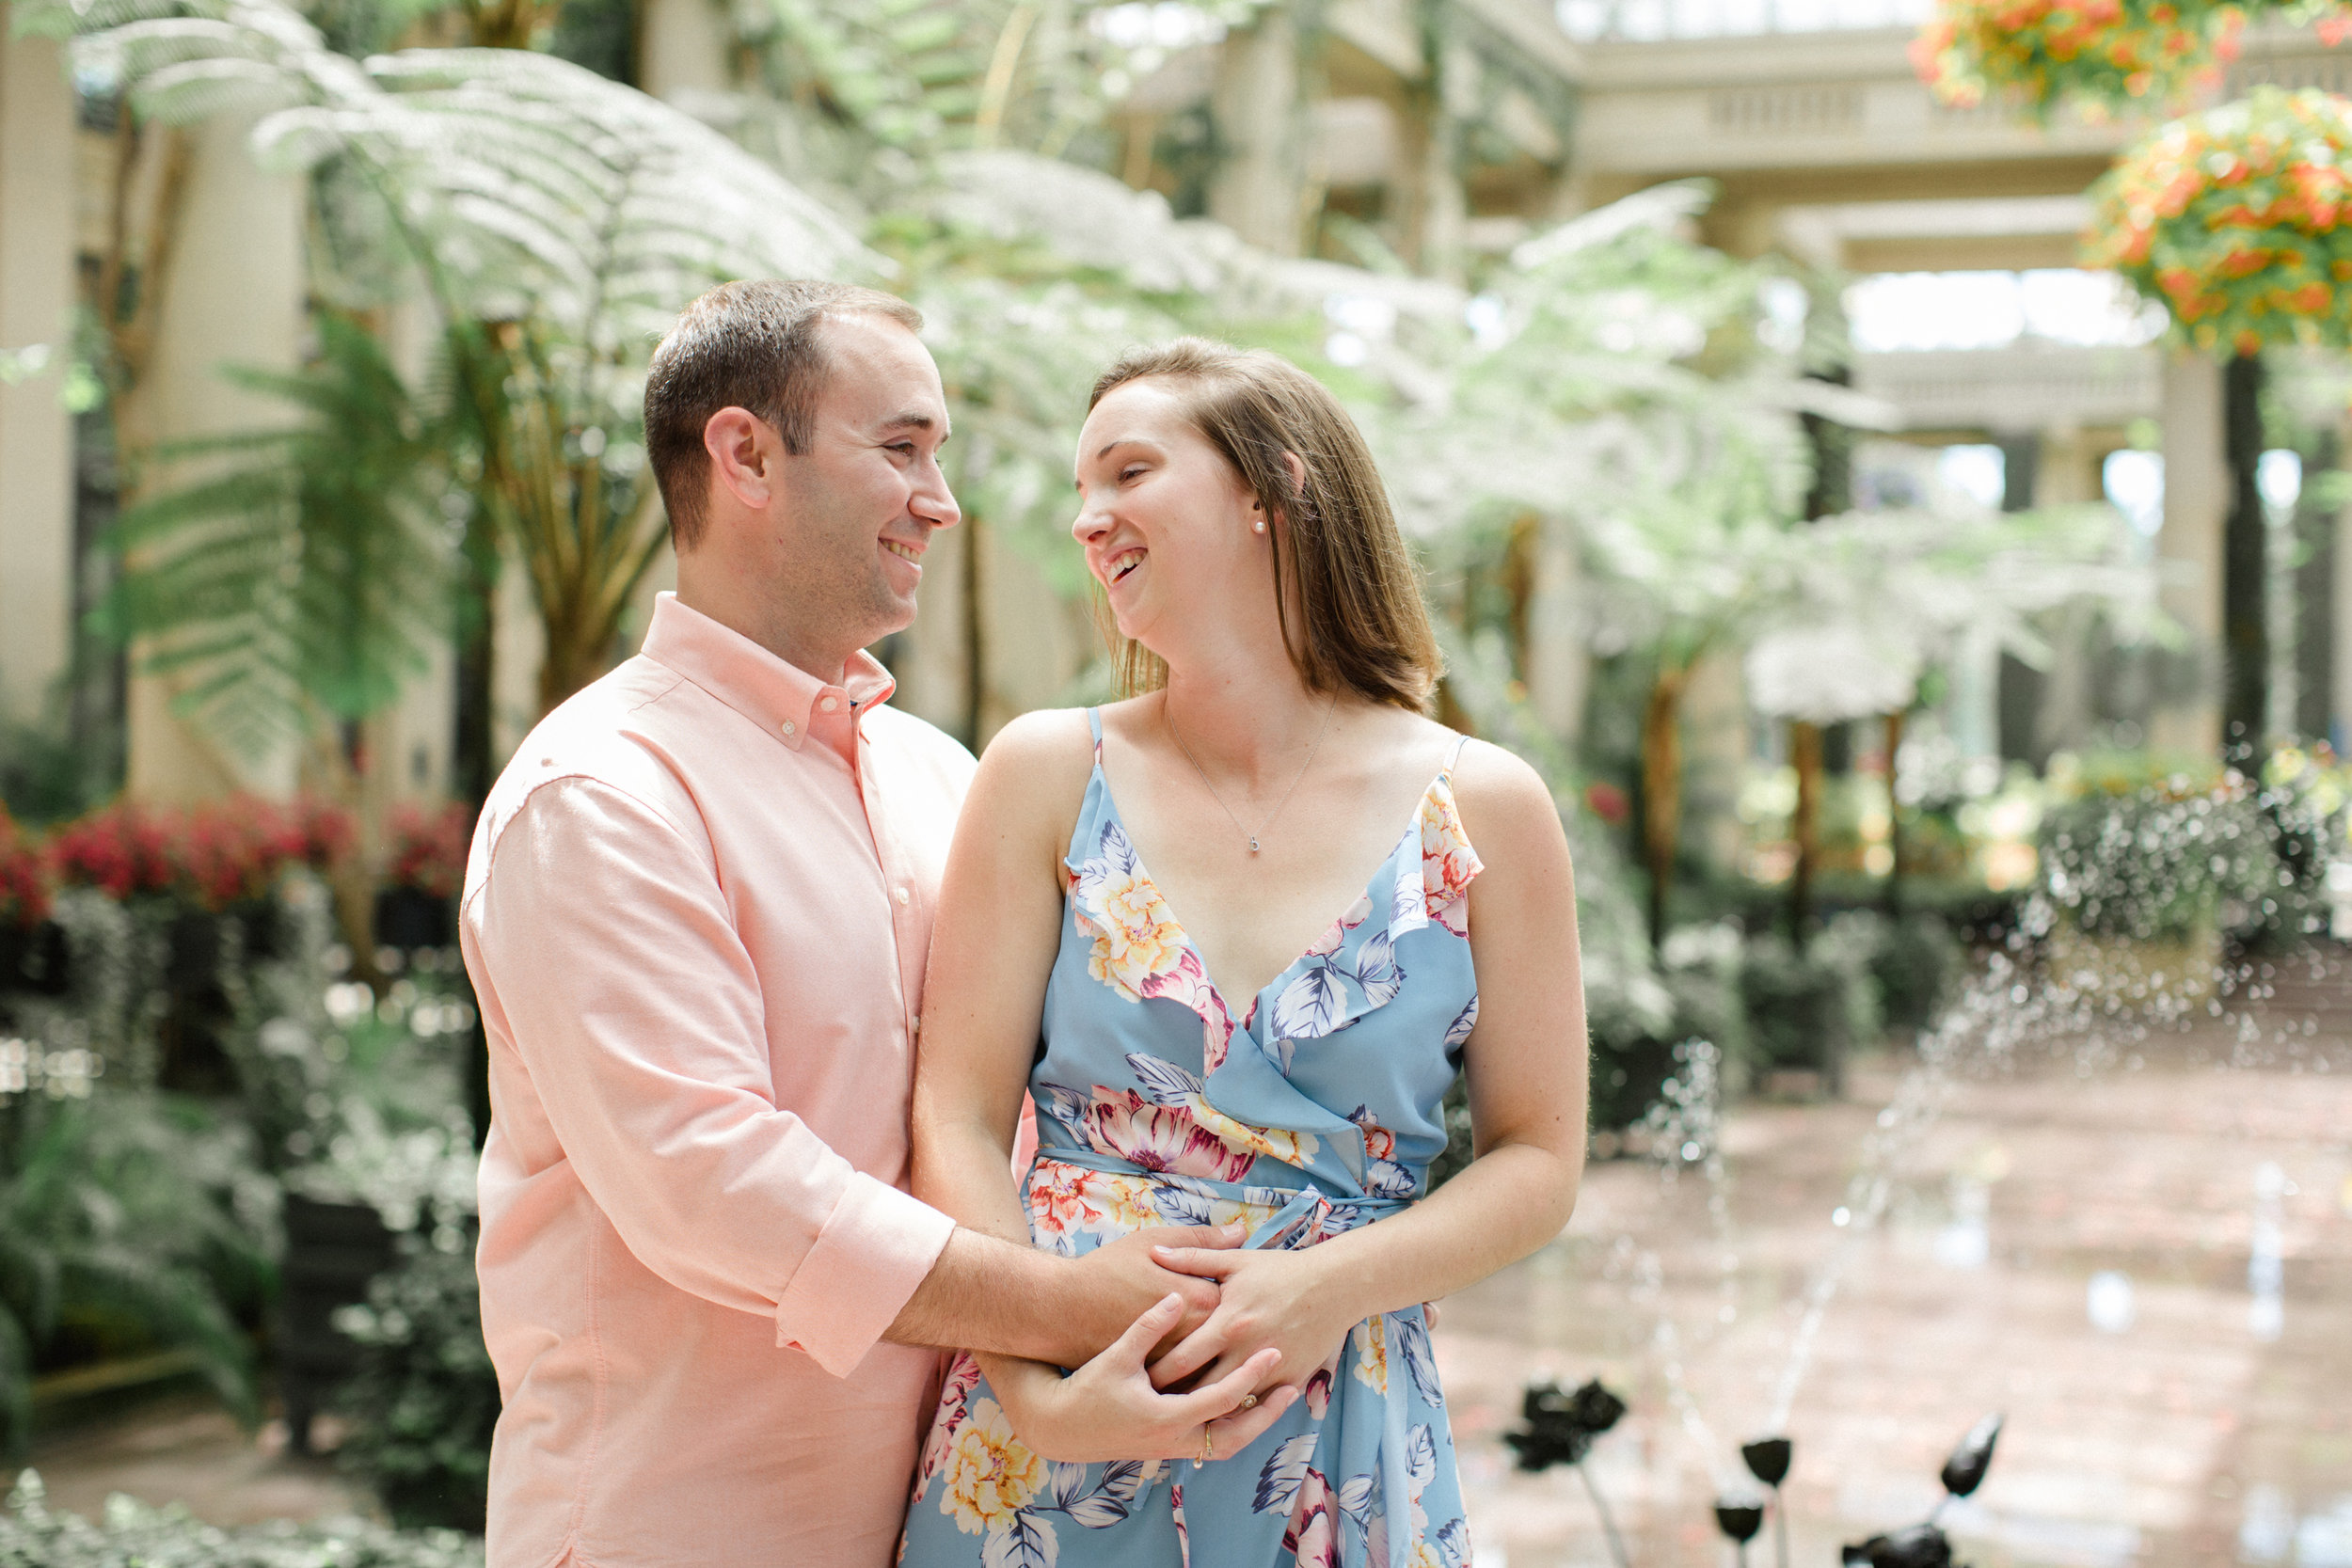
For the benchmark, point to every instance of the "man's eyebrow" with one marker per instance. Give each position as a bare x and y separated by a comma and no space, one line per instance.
913,419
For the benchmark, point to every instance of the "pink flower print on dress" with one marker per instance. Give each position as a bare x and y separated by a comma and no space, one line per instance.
1122,1123
964,1375
1329,942
1448,862
1314,1535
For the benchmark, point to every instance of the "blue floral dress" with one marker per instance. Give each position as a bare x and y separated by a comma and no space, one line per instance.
1313,1113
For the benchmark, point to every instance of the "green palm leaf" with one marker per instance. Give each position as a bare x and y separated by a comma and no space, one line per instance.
309,573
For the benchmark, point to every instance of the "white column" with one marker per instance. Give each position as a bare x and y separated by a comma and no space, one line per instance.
2067,474
682,49
2340,698
2196,506
36,244
234,297
1256,191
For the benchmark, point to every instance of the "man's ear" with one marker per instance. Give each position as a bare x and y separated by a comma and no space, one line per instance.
744,451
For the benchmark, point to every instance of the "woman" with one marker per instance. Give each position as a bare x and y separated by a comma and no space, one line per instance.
1258,1061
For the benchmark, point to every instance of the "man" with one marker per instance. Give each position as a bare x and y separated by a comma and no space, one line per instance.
696,914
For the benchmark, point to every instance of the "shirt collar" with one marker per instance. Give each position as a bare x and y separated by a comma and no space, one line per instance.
781,698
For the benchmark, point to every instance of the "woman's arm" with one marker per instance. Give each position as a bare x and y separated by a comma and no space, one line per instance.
999,927
992,948
1526,1066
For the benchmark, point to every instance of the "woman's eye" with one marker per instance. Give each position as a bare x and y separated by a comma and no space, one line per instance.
1126,474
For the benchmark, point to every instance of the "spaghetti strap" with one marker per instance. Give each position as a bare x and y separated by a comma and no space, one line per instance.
1094,722
1451,762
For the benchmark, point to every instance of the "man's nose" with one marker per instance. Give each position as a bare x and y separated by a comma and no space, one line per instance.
935,502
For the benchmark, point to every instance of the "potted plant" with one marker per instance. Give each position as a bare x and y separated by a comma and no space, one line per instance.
2239,220
2108,57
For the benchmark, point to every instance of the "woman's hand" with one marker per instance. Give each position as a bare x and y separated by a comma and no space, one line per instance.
1109,1409
1132,1277
1288,1300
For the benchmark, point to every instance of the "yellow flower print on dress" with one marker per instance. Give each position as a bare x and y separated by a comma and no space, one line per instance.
1372,1353
1135,936
1138,950
990,1472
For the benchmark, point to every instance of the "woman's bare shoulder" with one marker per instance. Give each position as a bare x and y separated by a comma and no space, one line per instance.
1042,748
1033,772
1506,807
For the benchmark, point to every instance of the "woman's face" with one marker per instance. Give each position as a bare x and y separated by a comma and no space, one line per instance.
1168,529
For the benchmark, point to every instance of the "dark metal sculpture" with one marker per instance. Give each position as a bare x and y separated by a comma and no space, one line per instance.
1924,1546
1963,1472
1767,1459
1740,1518
1560,1431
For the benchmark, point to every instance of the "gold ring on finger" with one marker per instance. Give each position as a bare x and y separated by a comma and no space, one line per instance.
1249,1402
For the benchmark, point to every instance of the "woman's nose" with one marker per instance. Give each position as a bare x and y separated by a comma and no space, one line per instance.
1088,525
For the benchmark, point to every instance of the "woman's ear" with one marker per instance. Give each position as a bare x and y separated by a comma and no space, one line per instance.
1297,467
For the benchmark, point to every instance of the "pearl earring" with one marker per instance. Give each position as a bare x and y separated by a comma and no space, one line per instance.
1259,526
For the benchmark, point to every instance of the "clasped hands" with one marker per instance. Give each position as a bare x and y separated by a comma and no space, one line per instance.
1224,1343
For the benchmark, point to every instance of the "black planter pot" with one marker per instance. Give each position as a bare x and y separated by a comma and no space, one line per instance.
34,958
333,1250
409,918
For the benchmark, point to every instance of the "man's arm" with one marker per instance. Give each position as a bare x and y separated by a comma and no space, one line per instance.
603,948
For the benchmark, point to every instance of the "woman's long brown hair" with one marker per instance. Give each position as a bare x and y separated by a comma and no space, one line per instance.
1340,562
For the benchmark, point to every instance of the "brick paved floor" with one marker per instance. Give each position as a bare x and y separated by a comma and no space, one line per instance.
2176,1435
2180,1432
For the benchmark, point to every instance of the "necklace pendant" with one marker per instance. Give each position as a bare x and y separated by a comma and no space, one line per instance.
1253,843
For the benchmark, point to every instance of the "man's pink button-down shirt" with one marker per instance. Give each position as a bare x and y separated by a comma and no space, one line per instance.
696,914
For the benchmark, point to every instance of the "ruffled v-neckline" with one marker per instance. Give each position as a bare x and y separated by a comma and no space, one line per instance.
1384,872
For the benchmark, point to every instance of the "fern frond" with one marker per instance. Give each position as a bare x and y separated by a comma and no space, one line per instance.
316,569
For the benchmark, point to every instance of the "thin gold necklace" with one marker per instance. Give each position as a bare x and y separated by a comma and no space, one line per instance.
1285,801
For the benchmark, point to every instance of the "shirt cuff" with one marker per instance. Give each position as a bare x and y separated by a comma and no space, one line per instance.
876,1246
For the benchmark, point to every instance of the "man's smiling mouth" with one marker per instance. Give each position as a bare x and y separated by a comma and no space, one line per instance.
906,551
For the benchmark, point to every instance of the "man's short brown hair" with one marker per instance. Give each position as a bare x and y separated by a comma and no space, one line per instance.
751,345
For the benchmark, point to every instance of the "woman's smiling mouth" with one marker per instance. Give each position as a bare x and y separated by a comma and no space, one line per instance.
1120,564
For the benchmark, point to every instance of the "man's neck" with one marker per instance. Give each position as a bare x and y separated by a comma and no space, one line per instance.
818,656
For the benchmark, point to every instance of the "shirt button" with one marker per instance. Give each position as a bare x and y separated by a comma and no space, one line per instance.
830,704
790,728
900,895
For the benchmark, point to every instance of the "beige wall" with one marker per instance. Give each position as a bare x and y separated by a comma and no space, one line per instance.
36,432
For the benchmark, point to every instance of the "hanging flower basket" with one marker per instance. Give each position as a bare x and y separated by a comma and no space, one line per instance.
2239,220
2107,56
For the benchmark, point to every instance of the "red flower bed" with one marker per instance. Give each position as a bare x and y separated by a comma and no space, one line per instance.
218,854
120,850
429,849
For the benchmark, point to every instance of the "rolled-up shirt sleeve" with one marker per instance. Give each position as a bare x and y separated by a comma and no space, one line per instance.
633,1003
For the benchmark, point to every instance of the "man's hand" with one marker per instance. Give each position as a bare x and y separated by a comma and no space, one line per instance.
1107,1409
1126,1277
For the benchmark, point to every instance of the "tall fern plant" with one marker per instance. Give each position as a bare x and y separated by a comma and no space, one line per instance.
555,221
